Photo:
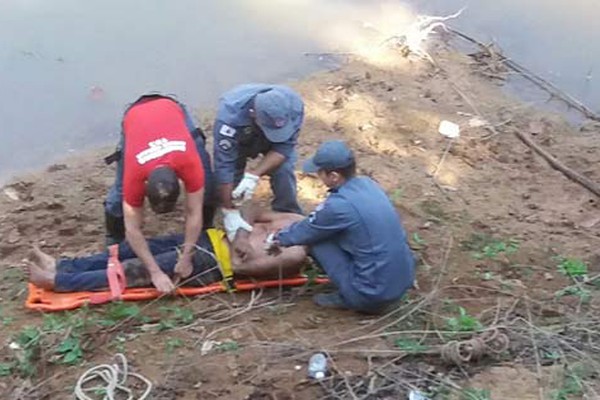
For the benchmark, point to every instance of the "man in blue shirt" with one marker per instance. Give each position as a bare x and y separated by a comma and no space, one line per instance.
254,119
355,235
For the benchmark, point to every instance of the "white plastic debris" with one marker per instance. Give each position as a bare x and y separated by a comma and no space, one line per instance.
207,346
14,346
449,129
11,194
416,395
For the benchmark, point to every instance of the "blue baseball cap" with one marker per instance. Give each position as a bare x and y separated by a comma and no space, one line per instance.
334,154
274,115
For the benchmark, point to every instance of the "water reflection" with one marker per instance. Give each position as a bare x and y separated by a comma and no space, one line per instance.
68,67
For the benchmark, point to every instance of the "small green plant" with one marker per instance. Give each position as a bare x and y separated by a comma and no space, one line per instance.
463,322
173,343
418,240
180,314
6,369
487,276
495,248
118,311
572,267
174,316
550,355
54,323
70,350
475,394
397,195
572,386
229,345
584,295
484,246
312,274
29,342
410,345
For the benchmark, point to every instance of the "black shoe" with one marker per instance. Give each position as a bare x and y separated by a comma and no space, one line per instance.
330,300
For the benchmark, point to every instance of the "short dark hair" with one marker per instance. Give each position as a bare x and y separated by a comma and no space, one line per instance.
346,172
162,190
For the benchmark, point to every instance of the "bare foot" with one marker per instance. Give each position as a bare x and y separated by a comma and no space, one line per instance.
43,260
41,277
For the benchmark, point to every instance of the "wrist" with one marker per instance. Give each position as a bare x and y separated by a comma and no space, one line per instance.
253,175
187,250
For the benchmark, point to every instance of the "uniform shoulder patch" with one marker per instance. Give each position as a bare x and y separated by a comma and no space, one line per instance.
227,130
225,144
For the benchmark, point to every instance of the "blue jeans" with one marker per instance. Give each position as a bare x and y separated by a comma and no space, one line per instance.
114,199
89,273
283,184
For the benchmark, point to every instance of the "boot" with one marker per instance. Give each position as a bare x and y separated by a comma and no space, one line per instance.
115,229
208,217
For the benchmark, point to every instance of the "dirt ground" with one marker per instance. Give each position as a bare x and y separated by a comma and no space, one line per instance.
492,223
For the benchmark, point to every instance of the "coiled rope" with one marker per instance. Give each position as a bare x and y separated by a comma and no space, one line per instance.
114,377
491,342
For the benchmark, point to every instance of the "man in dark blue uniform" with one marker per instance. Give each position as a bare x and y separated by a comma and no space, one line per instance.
255,119
355,235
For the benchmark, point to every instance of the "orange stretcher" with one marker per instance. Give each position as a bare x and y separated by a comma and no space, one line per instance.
45,300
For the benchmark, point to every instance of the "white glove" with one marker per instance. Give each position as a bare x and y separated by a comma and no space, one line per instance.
246,187
232,219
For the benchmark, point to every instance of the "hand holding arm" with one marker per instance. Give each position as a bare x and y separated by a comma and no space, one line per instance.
134,218
193,227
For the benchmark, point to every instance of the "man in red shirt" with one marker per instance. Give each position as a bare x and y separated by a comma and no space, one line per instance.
159,148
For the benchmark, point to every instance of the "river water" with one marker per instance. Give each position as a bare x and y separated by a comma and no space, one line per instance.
67,67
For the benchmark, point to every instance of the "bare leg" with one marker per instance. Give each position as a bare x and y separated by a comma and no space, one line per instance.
43,260
41,277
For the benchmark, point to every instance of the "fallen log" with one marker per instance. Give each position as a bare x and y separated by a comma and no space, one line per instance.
559,166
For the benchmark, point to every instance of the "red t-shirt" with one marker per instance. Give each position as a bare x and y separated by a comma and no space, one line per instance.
156,135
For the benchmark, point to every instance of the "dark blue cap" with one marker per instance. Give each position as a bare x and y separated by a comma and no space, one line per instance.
273,115
331,155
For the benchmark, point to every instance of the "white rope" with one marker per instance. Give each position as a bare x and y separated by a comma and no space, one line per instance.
115,381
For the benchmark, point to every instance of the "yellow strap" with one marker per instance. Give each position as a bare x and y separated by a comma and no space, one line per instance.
223,257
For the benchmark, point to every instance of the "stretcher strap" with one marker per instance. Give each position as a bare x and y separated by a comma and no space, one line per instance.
117,282
223,257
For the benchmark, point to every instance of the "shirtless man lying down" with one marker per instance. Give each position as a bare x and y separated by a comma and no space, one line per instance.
246,256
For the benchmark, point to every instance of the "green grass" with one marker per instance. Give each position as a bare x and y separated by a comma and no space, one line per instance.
29,342
397,195
584,295
56,340
572,267
6,369
475,394
70,350
417,241
463,322
572,386
484,246
173,343
173,316
230,345
118,311
410,345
